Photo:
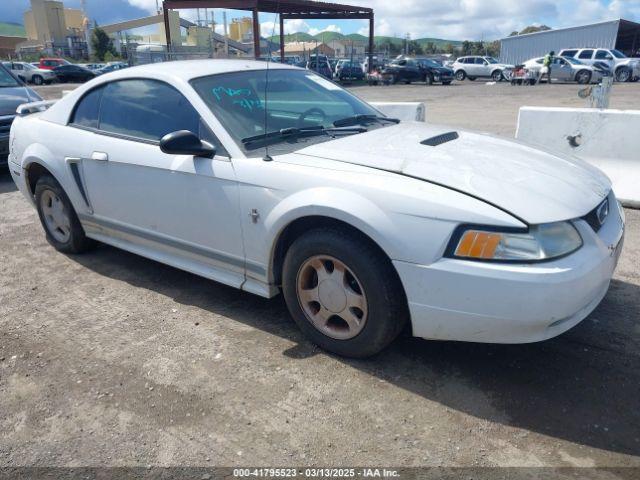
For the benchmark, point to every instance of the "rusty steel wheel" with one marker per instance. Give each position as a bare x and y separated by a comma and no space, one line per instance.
332,297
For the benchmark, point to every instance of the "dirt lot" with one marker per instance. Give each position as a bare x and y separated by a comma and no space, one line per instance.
108,359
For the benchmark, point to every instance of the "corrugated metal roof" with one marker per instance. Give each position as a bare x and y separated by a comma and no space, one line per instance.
520,48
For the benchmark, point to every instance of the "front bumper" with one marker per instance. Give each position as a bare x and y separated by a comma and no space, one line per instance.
502,303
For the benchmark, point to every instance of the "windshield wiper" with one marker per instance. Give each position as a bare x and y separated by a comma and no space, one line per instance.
362,118
293,132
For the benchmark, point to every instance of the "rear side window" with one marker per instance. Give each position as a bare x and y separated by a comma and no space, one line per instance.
145,109
88,109
603,55
586,54
569,53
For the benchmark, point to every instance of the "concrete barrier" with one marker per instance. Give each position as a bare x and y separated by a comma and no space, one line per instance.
608,139
406,111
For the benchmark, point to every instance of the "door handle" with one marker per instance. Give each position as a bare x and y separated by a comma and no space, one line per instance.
99,156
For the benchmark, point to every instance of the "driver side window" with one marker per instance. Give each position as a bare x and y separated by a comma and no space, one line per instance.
140,110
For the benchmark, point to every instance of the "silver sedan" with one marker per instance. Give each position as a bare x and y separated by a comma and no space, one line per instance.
567,69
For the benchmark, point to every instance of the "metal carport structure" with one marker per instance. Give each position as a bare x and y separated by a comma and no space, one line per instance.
287,10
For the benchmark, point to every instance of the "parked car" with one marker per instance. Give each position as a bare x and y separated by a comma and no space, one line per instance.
364,223
51,63
112,67
93,66
30,74
479,67
568,69
407,70
625,69
73,73
347,70
13,92
320,66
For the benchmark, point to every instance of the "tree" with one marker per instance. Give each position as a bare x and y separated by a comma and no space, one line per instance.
101,43
466,48
531,29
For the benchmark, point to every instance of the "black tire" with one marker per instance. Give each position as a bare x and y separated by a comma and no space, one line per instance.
386,302
37,80
583,77
428,79
77,241
497,76
460,75
623,74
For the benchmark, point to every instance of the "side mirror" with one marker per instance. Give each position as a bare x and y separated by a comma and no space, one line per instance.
184,142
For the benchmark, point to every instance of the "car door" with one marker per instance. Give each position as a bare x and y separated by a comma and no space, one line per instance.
561,70
413,71
477,67
605,57
178,206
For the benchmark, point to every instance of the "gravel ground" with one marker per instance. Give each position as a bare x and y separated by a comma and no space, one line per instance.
108,359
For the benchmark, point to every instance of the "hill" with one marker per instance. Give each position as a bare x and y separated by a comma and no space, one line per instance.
330,36
10,29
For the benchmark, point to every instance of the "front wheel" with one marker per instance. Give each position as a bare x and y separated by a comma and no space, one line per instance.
583,77
37,80
496,76
58,217
343,293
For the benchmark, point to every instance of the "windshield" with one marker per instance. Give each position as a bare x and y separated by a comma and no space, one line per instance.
7,80
491,60
296,99
618,54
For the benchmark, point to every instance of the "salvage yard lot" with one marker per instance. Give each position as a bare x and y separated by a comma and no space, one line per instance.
111,359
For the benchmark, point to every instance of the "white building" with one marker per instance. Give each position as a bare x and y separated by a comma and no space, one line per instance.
621,34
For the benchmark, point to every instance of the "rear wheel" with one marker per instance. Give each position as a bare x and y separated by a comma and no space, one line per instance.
58,217
460,75
623,74
343,293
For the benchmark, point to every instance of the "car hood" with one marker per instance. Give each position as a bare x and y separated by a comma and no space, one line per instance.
533,185
11,97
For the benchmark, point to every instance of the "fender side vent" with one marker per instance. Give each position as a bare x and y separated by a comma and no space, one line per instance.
440,139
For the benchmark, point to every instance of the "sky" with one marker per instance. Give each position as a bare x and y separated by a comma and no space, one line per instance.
448,19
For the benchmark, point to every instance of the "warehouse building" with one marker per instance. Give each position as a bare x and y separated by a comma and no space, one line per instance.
623,35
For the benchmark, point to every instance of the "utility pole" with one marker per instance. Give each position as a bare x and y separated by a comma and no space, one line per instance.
226,36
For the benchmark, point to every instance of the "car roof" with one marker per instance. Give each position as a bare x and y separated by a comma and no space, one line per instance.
175,73
189,69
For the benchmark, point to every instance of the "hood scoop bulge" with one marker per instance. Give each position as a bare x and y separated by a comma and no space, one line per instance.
440,139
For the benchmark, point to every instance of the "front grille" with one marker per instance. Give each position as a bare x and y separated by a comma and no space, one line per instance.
5,124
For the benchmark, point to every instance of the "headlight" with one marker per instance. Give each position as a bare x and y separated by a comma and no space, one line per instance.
540,242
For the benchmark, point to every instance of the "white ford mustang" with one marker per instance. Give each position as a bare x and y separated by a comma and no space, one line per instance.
283,181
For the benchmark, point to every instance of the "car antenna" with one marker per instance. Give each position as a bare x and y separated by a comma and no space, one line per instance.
267,157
